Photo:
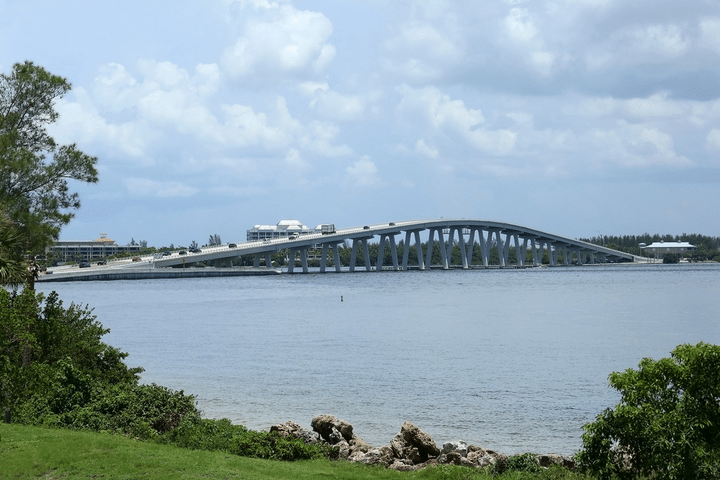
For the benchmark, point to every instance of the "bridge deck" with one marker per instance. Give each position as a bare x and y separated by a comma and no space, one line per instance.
468,235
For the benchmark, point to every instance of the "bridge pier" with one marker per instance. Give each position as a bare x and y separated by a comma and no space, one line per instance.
381,252
303,259
336,256
431,244
268,260
418,249
366,252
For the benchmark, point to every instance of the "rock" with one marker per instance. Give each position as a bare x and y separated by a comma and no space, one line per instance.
325,424
414,455
479,458
335,437
420,440
401,466
343,450
547,460
293,430
357,444
458,446
376,456
398,446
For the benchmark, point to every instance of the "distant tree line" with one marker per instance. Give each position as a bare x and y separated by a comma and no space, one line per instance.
706,248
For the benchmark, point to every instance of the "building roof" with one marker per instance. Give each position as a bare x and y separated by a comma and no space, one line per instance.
662,244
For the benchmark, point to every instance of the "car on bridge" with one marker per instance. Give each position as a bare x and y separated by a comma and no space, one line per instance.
194,250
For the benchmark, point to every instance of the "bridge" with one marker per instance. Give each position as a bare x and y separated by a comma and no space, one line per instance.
466,234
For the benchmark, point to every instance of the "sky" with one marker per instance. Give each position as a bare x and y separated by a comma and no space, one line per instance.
576,117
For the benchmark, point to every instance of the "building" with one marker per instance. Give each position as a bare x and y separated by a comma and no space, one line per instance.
284,229
660,248
74,251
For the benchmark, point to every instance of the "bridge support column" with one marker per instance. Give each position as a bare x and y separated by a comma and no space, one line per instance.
441,242
500,248
336,256
268,260
324,257
303,259
291,260
381,252
366,253
418,249
521,253
470,246
461,246
485,246
552,254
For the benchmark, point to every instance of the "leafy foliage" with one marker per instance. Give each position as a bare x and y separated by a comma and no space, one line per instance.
34,169
270,445
211,435
667,425
55,370
527,462
13,265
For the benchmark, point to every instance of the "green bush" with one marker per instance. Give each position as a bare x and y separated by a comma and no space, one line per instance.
527,462
56,371
203,434
667,425
274,447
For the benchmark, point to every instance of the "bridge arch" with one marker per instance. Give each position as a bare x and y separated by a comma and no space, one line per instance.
470,236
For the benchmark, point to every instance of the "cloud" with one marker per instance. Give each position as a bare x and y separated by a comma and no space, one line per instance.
446,116
281,39
334,105
423,149
363,172
713,140
146,187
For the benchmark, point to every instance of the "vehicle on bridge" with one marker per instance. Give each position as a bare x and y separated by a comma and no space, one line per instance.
327,228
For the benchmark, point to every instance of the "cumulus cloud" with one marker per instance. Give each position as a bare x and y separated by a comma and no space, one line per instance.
713,140
281,40
444,115
363,172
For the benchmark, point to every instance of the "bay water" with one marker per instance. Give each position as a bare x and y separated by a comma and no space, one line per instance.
510,360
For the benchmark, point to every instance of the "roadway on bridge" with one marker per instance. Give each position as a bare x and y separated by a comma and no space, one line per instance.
482,229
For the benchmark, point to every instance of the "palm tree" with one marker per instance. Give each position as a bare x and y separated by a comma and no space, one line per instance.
13,266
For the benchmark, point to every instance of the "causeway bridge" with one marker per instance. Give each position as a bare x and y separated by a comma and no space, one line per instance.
468,235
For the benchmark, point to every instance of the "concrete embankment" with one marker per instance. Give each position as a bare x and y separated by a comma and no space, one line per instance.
95,274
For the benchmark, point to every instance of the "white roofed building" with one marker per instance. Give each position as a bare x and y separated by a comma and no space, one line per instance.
284,229
660,248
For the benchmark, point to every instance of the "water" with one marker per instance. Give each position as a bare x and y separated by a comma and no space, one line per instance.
511,360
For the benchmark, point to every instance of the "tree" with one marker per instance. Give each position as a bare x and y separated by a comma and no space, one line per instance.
75,380
214,240
13,266
34,169
667,425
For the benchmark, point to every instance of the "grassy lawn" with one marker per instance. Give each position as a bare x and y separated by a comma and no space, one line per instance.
32,452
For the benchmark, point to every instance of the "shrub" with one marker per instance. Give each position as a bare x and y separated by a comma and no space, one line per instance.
527,462
203,434
55,370
667,425
274,447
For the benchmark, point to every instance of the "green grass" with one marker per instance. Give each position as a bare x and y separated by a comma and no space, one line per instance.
33,452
